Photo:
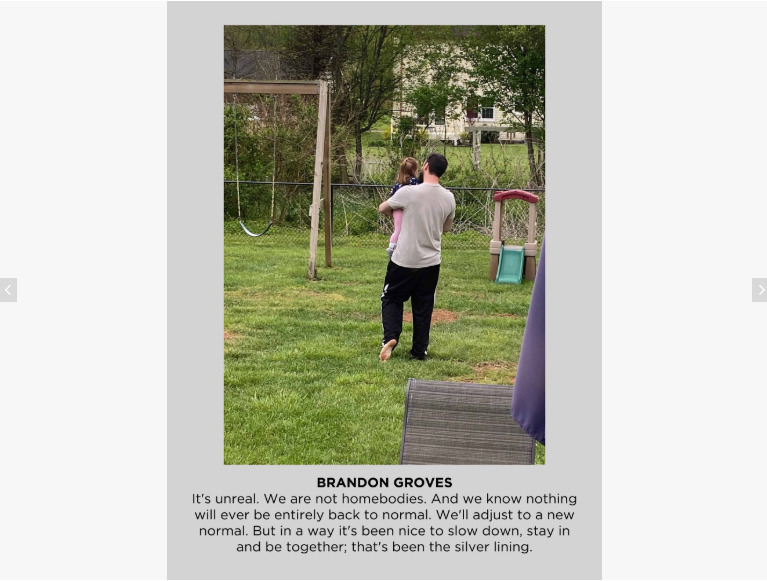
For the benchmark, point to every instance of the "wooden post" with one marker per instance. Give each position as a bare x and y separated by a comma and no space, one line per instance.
318,169
326,187
475,146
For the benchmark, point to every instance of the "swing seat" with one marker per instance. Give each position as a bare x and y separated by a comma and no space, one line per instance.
511,263
249,233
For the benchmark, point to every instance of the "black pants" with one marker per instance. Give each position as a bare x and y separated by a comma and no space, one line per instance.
418,285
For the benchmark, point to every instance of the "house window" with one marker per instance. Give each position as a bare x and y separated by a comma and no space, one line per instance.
439,118
480,108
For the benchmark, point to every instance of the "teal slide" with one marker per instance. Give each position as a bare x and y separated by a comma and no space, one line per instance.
511,263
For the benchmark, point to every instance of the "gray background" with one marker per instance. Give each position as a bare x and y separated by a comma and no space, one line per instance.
195,303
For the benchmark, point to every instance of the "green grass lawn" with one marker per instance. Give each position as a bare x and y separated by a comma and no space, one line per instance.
504,162
302,380
462,154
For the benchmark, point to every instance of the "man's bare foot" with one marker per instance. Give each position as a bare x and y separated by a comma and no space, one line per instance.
386,350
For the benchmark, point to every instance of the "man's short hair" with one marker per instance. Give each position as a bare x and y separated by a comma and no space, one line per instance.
437,164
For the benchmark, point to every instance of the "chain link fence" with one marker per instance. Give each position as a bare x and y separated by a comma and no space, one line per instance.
269,149
355,218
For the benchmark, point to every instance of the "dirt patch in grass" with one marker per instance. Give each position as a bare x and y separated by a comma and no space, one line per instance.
493,372
231,336
486,366
438,316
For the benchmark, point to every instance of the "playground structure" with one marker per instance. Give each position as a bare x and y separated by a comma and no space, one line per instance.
509,263
321,159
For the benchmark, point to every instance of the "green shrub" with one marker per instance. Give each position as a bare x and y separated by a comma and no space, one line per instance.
490,137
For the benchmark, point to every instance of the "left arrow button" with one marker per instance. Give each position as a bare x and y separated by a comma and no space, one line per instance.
8,292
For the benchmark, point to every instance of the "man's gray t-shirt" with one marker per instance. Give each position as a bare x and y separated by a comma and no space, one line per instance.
426,208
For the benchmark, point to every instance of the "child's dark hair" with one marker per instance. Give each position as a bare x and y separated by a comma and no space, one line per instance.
407,169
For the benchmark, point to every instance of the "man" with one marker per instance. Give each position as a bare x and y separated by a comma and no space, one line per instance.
413,271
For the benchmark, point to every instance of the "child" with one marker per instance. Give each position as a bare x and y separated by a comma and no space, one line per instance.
408,170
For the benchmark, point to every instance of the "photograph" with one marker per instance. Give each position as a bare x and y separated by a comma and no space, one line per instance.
384,197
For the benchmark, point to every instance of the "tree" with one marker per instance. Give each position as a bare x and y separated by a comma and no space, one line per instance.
359,61
509,65
366,84
308,52
434,74
236,41
251,52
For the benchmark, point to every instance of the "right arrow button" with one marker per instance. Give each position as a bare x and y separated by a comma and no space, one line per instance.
758,288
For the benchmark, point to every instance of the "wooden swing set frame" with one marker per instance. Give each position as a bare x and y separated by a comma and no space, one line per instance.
321,155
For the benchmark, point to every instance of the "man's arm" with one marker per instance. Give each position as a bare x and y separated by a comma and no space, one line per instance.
448,225
385,209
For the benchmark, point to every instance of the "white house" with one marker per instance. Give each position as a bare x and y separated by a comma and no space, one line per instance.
488,117
483,116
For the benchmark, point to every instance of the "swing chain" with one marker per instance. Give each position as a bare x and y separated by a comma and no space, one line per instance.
237,170
237,161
